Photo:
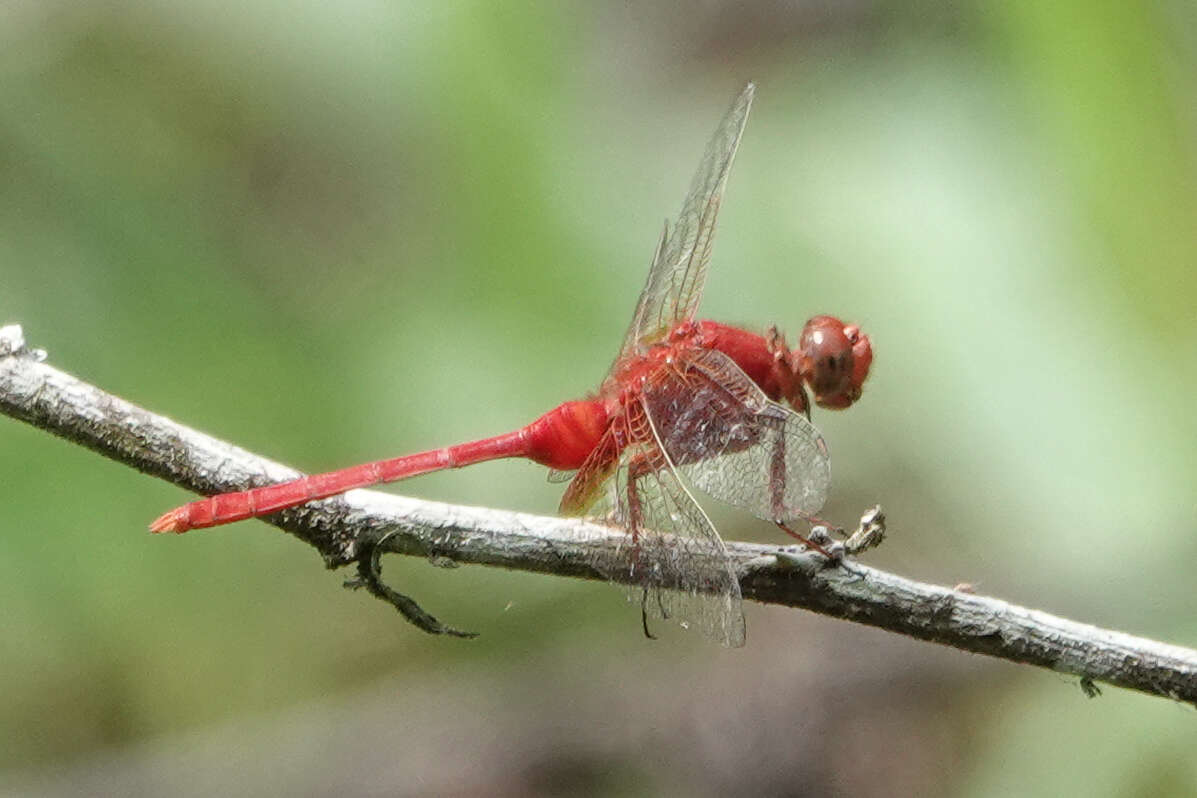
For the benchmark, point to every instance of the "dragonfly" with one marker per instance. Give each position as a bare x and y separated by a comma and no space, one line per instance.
687,404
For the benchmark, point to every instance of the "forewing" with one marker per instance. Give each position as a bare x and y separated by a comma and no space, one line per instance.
672,559
728,439
679,269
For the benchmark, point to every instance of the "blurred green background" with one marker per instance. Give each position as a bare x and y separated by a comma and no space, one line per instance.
338,232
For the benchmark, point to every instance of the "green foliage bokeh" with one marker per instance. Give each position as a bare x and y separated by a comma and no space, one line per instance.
332,234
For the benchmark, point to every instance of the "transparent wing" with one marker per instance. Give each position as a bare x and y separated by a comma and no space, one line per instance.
673,560
729,440
679,269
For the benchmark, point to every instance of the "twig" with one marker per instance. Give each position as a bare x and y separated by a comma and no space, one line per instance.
362,522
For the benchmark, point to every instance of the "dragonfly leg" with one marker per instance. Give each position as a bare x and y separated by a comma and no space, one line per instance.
644,614
637,469
810,544
634,514
777,486
369,569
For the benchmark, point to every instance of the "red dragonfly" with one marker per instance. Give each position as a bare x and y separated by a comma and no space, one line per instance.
686,402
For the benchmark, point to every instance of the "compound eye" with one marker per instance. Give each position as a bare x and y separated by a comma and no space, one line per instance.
828,348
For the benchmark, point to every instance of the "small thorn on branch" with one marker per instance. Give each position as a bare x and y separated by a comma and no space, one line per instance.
869,534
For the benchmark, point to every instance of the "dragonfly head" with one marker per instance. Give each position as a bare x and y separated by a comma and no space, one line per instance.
834,360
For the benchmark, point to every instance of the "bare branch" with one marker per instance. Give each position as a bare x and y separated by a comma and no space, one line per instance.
346,528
